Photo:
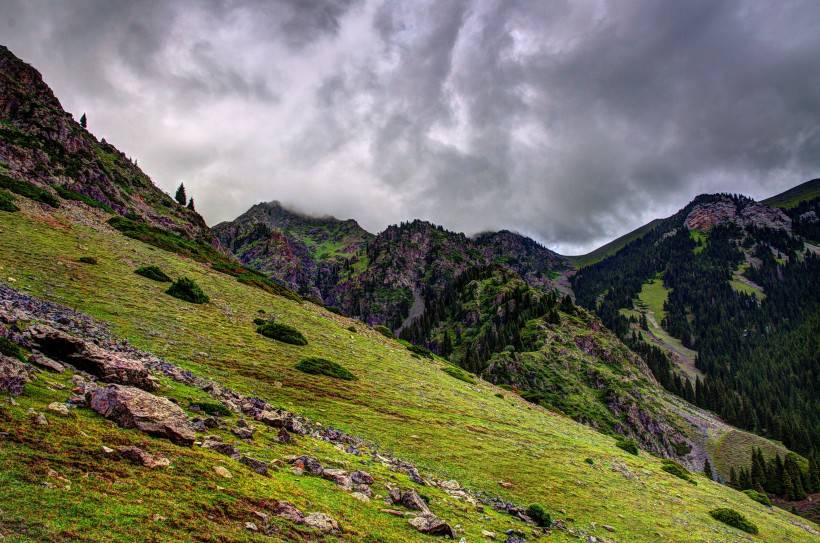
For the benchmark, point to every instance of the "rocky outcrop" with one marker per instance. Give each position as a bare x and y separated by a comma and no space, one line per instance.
430,524
132,407
13,375
704,216
109,366
139,457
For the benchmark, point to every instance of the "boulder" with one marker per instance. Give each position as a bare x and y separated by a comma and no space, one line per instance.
13,375
243,432
109,366
289,512
223,472
137,456
361,478
308,464
41,360
258,466
271,418
132,407
58,408
214,443
322,522
283,436
412,500
432,525
338,476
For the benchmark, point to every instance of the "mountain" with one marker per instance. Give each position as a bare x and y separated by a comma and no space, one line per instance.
42,147
307,254
224,407
810,190
727,287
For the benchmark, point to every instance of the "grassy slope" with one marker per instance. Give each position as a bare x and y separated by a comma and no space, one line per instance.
795,195
406,405
612,247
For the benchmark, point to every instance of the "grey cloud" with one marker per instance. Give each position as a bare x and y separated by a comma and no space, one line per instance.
571,121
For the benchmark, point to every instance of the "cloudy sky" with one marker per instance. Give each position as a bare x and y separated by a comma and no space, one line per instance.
571,121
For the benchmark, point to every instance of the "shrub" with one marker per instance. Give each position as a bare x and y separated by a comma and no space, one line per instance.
7,202
321,366
211,408
499,395
539,515
673,468
589,461
352,328
758,497
281,332
68,194
153,272
87,260
385,331
259,321
458,373
733,518
628,445
419,350
185,289
29,190
9,348
333,309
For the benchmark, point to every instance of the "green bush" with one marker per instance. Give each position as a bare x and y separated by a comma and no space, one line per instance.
87,260
758,497
259,321
458,373
628,445
673,468
153,272
9,348
385,331
734,519
589,461
185,289
321,366
68,194
539,515
419,350
29,190
7,202
499,395
333,309
281,332
211,408
352,328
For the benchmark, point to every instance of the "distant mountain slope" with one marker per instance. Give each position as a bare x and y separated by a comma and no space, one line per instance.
613,246
736,280
41,144
307,254
790,198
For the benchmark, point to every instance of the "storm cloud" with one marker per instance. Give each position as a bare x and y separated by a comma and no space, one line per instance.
570,121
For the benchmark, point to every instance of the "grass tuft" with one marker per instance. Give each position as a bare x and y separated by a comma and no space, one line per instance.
759,497
458,373
87,260
321,366
628,445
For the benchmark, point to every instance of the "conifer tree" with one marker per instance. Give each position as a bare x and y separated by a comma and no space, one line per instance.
84,121
180,195
707,469
191,204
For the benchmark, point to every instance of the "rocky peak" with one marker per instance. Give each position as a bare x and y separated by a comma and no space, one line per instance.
744,212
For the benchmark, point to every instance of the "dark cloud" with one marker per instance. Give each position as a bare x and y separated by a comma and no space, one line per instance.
570,121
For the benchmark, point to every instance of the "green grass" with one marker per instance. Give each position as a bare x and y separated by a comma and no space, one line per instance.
739,285
654,295
700,238
612,247
7,202
29,190
404,405
734,449
460,374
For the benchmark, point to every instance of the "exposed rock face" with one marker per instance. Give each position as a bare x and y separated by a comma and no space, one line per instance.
43,144
322,522
109,366
432,525
705,216
131,407
13,375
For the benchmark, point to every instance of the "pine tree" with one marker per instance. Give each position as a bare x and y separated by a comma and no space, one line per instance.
566,304
191,204
84,121
180,195
707,470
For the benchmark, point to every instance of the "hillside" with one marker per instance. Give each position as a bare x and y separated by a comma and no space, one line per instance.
612,247
721,286
477,434
810,190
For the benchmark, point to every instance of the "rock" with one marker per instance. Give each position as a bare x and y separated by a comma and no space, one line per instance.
213,442
41,360
432,525
322,522
361,478
271,418
505,484
109,366
394,512
37,418
289,512
222,471
361,496
296,427
450,485
338,476
488,534
251,526
411,500
13,375
107,450
58,408
363,489
394,494
283,436
132,407
258,466
137,456
308,464
515,539
243,433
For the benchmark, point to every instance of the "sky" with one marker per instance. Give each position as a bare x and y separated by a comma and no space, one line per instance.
570,121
